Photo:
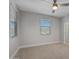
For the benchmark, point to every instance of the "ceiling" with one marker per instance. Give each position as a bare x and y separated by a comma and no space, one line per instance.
43,7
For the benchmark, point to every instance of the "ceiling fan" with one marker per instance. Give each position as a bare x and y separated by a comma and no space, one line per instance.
55,5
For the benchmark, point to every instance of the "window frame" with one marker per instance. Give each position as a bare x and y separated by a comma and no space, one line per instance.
48,27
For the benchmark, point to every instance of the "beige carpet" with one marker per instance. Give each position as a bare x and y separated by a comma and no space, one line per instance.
52,51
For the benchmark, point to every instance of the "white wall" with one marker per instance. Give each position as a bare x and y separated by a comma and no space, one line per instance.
13,42
30,29
63,21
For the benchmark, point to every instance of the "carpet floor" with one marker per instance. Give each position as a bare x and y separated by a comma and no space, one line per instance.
51,51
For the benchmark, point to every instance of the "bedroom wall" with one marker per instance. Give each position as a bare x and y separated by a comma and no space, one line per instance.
30,29
13,42
64,20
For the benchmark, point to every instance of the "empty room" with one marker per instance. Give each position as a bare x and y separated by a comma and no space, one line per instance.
39,29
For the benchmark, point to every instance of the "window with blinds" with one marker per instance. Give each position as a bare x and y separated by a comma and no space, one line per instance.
44,27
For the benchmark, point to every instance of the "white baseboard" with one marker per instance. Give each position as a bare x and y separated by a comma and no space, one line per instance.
33,45
13,55
27,46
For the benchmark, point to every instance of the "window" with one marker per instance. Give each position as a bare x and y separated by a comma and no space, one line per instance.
44,27
13,28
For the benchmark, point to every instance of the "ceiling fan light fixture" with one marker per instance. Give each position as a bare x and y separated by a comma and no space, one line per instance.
55,7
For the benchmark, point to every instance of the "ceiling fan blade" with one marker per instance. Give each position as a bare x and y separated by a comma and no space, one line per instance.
64,4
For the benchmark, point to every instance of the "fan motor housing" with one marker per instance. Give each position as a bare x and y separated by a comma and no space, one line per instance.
55,4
